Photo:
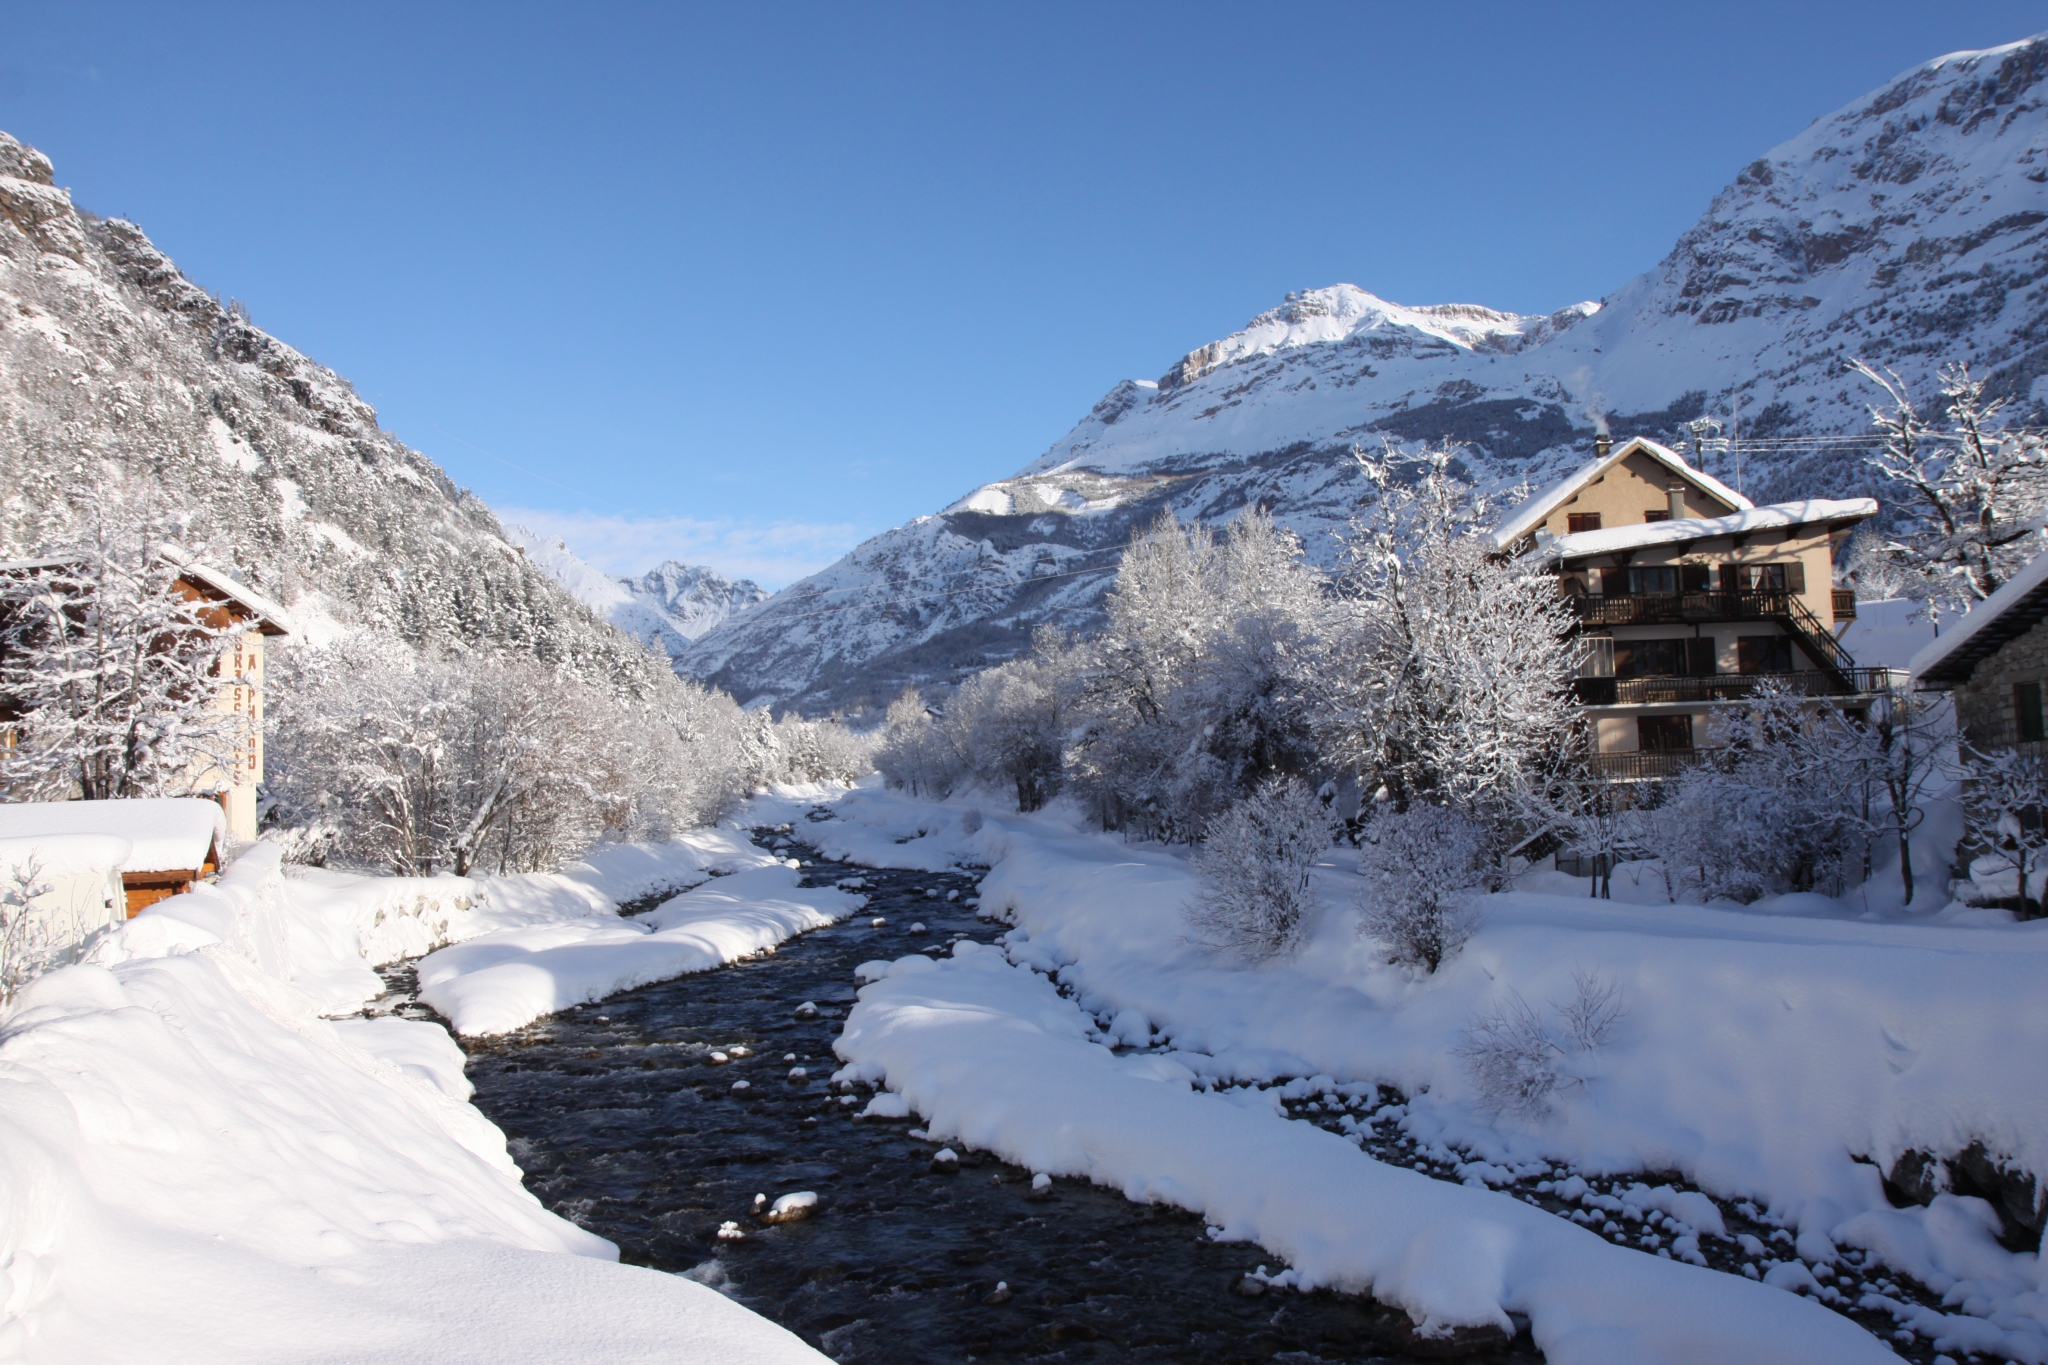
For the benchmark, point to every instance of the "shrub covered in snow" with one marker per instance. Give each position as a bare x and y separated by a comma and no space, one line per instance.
1518,1059
2005,808
1421,867
1255,864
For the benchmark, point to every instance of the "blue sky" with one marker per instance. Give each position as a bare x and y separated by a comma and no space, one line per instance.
744,284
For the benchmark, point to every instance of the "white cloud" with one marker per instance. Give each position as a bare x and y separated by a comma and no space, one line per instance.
773,554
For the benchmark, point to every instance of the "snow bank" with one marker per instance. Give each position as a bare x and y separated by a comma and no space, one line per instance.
1767,1054
195,1167
505,980
993,1056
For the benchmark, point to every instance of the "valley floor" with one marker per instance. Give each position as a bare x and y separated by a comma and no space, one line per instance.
266,1184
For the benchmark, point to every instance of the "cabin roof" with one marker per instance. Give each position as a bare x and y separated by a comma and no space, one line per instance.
2016,608
1835,512
1531,513
164,833
270,618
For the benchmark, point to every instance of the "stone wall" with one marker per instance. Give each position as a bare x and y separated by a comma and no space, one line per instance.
1984,704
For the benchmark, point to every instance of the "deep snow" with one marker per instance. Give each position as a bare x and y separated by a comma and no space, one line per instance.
195,1166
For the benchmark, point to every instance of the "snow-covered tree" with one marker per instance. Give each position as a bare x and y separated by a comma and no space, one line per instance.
916,753
25,948
112,669
1448,675
1978,495
2005,807
1519,1060
1422,868
1197,688
1255,860
1006,726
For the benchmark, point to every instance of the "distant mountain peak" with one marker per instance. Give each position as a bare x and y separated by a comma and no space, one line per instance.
668,607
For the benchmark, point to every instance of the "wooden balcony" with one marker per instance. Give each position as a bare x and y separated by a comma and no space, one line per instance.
1723,687
1655,608
1845,604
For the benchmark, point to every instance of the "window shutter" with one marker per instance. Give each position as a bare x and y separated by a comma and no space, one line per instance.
1795,577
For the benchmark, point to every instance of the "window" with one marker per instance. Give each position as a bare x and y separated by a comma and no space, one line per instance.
1575,522
1657,514
1653,580
1650,658
2026,705
1763,654
1771,577
1664,734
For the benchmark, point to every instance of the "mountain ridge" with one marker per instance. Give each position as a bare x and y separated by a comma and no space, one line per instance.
1905,228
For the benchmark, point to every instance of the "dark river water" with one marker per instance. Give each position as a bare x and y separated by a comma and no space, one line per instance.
626,1123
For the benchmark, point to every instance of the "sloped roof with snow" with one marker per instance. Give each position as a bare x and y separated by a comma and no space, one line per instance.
1613,539
2013,610
164,834
1531,513
271,618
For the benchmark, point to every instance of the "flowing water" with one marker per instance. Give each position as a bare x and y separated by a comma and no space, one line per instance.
626,1121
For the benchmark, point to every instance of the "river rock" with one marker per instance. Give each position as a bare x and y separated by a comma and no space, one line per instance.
807,1010
946,1161
1000,1294
791,1208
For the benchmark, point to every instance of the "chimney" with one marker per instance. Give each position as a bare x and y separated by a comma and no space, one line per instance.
1676,492
1601,445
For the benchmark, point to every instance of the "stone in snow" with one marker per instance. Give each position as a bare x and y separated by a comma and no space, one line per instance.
730,1232
741,1051
945,1161
917,928
1000,1294
797,1073
718,1059
740,1085
877,922
807,1010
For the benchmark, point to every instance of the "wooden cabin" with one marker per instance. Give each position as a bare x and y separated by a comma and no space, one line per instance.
173,841
250,618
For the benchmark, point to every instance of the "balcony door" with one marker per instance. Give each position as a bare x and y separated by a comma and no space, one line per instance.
1664,734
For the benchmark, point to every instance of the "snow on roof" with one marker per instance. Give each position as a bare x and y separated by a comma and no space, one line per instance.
165,834
1612,539
272,619
1527,516
2013,610
62,855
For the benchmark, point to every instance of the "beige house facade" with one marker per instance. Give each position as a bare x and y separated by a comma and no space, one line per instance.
1687,596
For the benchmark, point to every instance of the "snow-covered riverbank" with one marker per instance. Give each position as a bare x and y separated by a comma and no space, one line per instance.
196,1166
1784,1059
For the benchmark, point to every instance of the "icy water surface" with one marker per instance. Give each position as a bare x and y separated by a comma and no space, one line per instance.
626,1123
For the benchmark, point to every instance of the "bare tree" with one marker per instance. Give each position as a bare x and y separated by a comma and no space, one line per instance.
1978,493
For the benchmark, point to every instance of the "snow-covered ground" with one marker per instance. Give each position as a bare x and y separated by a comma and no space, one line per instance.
1782,1054
196,1166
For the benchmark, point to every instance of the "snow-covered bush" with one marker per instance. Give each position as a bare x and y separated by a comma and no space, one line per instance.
794,749
1004,724
1422,867
1790,803
1255,862
1449,670
25,947
2005,809
1517,1059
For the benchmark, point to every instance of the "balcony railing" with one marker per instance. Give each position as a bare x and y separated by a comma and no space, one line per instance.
1845,604
1733,686
1646,765
1651,608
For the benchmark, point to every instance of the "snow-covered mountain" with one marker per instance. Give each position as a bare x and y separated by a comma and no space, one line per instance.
109,357
666,607
1906,229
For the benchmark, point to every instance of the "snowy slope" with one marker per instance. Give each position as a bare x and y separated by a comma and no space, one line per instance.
666,607
1906,228
113,364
